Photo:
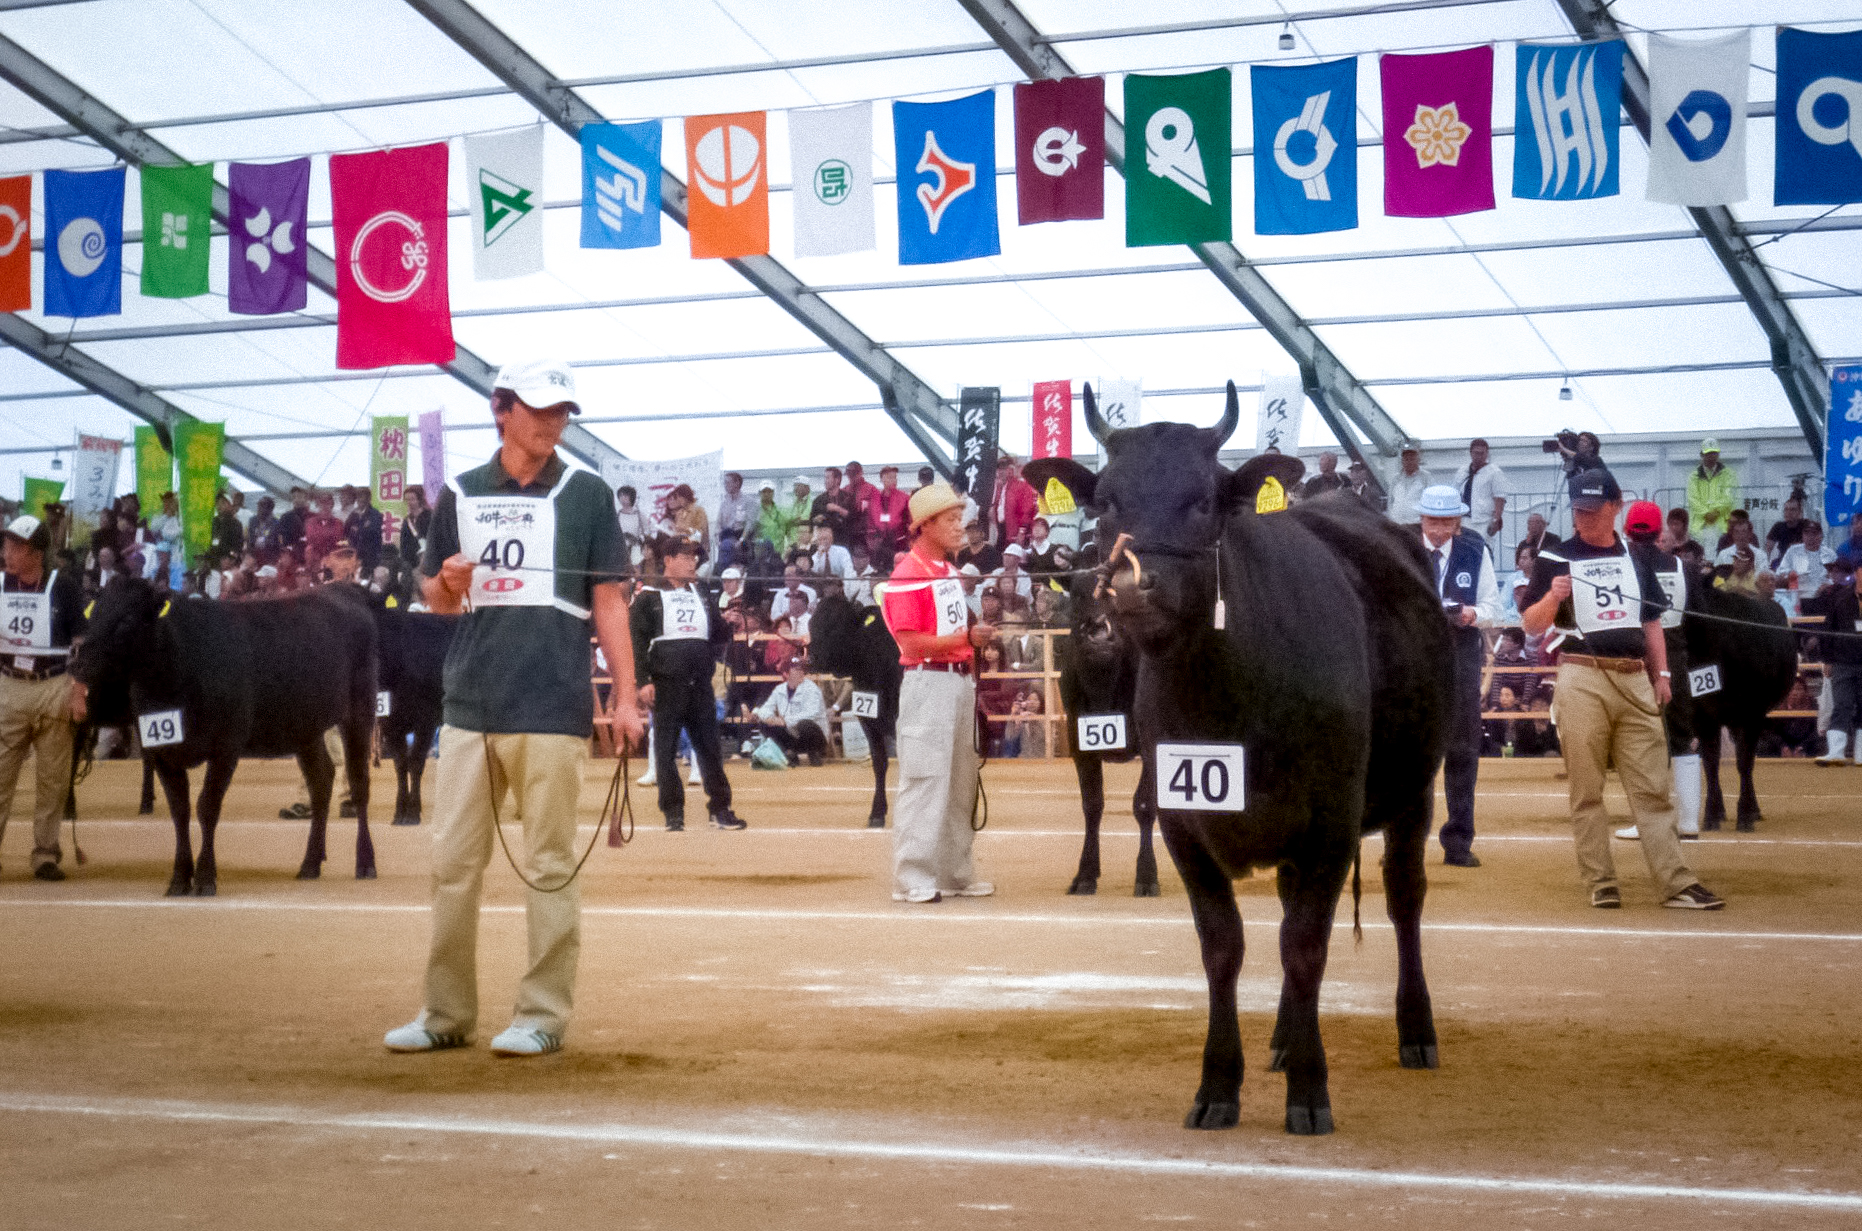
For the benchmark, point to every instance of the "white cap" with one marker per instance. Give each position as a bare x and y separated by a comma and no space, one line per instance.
540,382
800,480
733,573
767,485
1014,549
23,527
970,570
268,572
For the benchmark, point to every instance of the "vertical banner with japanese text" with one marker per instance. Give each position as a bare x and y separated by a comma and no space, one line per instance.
1053,418
93,483
1842,459
388,472
198,451
1283,406
979,416
432,456
155,471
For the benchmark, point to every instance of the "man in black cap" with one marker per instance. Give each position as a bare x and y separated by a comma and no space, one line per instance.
1613,679
39,702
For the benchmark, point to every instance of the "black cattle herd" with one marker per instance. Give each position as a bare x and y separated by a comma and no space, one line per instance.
1282,672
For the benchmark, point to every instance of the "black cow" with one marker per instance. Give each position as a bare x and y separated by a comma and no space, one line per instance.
1099,675
264,678
853,641
1313,638
413,647
1757,659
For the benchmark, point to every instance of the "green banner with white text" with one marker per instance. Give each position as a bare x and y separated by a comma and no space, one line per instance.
198,449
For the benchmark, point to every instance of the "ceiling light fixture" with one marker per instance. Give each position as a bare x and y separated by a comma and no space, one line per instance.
1286,37
1564,391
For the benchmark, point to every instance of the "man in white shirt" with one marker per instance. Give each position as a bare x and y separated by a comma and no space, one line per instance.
830,559
1407,488
971,595
1484,490
795,716
1464,577
799,615
1805,566
860,589
791,585
737,515
1011,571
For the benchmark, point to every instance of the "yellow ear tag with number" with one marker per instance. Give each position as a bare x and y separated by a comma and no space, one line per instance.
392,602
166,603
1272,498
1056,499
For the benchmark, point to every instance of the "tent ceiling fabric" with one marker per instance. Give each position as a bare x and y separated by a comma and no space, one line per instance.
1533,288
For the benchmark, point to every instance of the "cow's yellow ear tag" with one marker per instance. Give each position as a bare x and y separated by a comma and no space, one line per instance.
166,604
1272,498
90,607
392,602
1056,499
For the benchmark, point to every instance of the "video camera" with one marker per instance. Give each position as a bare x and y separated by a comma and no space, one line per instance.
1565,442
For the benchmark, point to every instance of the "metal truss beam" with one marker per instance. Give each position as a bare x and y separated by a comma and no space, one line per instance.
58,94
1341,399
913,404
145,404
1794,358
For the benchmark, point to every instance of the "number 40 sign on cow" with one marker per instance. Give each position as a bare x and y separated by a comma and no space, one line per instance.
1200,777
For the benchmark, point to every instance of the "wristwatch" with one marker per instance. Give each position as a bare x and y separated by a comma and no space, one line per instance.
1665,675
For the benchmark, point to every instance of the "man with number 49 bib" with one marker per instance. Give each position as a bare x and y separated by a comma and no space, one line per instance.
1613,679
40,612
925,608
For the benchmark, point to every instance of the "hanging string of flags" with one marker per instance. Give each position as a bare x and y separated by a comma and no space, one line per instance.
391,217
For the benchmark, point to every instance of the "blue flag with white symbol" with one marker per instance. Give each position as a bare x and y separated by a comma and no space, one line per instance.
1569,108
620,185
947,179
1305,147
84,242
1819,124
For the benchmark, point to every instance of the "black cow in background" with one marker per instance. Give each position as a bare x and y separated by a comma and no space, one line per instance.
412,657
1757,659
1313,637
1099,675
853,641
263,678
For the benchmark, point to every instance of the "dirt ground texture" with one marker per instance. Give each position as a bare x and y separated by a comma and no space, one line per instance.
762,1037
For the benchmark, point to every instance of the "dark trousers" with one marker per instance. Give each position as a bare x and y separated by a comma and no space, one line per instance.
688,704
1462,764
1679,716
804,739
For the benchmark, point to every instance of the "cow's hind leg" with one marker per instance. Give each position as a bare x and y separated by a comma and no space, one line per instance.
357,734
1144,811
1745,749
1713,815
876,751
1406,884
319,774
146,805
1218,928
398,753
1092,805
174,789
1309,898
417,766
212,796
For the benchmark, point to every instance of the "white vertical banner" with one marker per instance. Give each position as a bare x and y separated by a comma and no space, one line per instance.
1283,408
93,478
1121,402
1697,119
831,164
654,481
504,192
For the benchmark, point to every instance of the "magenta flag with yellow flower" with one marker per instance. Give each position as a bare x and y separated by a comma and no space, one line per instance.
1438,133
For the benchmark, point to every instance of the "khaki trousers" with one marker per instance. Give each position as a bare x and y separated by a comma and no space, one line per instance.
938,765
1608,718
544,774
35,717
339,785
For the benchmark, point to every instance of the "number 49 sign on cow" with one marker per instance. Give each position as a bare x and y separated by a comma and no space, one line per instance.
1200,777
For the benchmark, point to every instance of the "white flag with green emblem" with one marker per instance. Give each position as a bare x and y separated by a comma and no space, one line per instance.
831,157
504,184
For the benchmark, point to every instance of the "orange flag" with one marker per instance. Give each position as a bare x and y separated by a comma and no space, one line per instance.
16,243
727,184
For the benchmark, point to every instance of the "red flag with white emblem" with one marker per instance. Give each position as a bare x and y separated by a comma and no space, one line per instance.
392,304
1060,149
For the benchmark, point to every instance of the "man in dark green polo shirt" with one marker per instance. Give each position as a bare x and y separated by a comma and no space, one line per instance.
531,551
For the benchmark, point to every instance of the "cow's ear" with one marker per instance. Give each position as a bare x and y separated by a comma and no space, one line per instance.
1245,484
1076,478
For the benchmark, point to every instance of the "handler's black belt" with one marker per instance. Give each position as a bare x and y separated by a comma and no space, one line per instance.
953,668
44,671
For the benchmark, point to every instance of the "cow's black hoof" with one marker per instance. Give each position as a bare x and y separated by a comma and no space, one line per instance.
1309,1121
206,887
1084,886
146,810
1712,823
1277,1060
309,871
1418,1056
179,887
366,874
1746,827
876,822
1211,1116
1146,889
405,820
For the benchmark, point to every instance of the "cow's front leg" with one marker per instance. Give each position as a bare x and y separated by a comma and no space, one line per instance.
1144,811
1091,777
212,795
174,789
319,774
1218,928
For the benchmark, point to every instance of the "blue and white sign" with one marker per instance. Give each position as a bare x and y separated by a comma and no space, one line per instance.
1305,147
1842,444
620,185
1570,101
947,179
84,242
1819,125
1697,141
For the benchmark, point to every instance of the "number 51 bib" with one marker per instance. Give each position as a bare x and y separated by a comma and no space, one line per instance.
1605,594
512,542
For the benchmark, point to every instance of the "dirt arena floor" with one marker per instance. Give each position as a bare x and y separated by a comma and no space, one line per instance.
764,1039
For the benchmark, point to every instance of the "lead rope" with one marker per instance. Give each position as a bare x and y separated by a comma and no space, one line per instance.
979,739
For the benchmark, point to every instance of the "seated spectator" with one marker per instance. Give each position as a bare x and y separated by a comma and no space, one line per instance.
1327,480
971,576
743,658
1730,538
989,608
799,617
795,716
689,521
1676,535
1050,608
1013,557
1738,570
266,582
792,586
1511,651
1804,569
1022,735
322,529
996,698
1538,737
731,588
860,588
1039,557
1498,734
978,550
784,643
1785,534
1539,534
1358,483
1021,645
107,569
826,557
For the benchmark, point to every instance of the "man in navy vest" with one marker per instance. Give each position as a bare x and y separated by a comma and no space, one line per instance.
1464,577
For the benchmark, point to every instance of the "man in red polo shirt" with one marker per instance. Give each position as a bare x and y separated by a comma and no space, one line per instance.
887,519
938,761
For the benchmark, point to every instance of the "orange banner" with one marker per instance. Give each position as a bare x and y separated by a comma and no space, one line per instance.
16,243
727,184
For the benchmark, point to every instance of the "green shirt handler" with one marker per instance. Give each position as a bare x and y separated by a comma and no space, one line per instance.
532,553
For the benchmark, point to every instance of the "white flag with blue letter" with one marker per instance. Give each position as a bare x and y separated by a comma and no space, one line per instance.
1570,101
1697,119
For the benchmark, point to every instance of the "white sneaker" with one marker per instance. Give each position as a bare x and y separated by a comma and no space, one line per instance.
650,778
1628,833
975,889
695,778
919,896
415,1037
524,1041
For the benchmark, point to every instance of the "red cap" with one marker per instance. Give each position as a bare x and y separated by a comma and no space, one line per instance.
1645,517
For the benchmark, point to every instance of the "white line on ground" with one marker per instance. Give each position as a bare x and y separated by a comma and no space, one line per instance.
939,914
1005,1155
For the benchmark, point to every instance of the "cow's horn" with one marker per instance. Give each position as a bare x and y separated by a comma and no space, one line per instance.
1231,418
1097,425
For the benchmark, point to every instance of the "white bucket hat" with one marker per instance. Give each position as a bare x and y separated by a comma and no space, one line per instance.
1441,501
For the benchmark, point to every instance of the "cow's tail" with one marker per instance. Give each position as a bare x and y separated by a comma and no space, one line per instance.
1357,895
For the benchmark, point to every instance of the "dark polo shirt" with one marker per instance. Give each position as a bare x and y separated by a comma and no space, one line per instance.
526,670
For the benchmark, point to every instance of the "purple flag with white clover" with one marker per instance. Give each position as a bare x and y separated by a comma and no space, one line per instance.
266,257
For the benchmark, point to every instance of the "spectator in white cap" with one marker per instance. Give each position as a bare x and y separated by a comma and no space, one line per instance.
1711,492
1464,577
772,520
1406,489
732,587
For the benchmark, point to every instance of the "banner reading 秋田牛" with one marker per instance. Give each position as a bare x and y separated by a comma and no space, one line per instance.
388,472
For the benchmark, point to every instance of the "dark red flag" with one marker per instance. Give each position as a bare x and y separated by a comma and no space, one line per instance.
1060,149
391,297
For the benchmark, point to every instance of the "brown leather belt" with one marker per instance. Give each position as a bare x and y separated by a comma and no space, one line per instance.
1622,666
44,671
953,668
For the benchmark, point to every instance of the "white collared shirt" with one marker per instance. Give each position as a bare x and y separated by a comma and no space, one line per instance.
1490,483
1486,586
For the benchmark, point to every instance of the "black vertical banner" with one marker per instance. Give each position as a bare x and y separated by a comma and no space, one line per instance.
979,417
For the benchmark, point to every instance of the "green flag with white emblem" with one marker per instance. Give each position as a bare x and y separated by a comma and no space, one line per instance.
1177,159
504,183
177,230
